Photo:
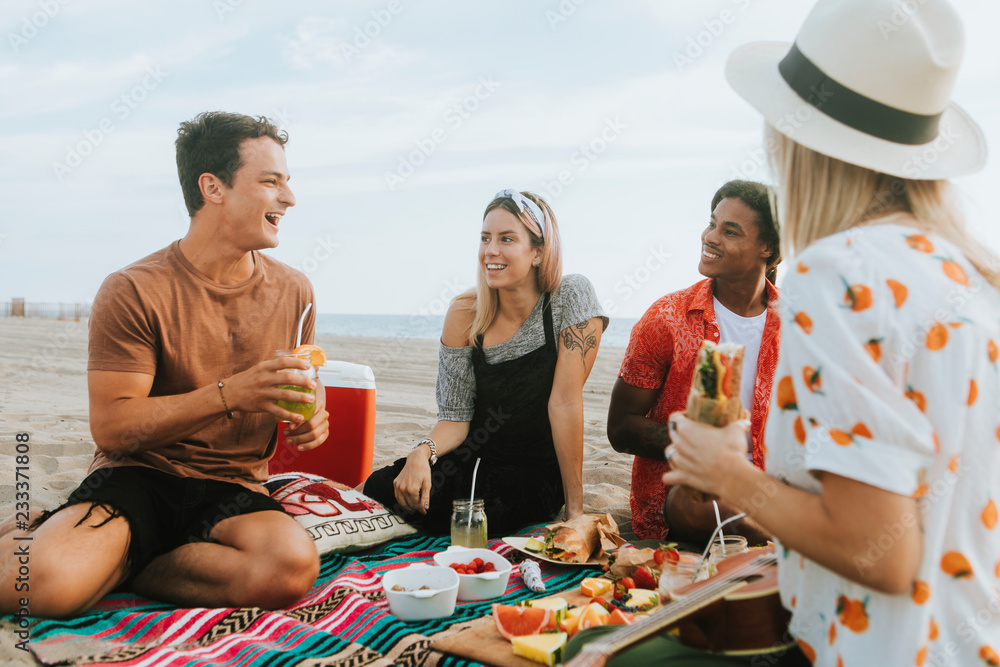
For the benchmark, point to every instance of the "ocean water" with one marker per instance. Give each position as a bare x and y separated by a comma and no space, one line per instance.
429,326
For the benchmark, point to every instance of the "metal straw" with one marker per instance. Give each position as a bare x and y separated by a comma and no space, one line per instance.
718,522
298,335
472,492
704,554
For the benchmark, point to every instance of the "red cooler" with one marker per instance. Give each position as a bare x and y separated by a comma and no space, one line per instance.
346,455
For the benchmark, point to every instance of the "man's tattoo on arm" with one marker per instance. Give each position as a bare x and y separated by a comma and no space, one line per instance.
579,337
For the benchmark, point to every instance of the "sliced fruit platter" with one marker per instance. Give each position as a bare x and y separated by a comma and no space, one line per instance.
539,629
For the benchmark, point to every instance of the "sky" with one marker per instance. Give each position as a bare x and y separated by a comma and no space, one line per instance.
404,119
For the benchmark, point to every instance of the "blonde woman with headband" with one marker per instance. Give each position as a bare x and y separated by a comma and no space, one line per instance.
885,423
515,353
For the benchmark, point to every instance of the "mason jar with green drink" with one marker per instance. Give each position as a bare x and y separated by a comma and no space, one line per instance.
307,410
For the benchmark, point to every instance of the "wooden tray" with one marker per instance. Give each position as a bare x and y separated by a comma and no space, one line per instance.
483,643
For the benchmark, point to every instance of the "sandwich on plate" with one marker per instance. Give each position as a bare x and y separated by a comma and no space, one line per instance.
577,540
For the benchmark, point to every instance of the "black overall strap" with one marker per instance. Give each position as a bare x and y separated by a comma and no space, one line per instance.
550,341
550,334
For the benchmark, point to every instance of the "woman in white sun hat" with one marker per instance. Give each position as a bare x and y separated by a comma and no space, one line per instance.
885,422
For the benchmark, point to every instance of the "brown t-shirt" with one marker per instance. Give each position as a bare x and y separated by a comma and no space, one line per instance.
163,317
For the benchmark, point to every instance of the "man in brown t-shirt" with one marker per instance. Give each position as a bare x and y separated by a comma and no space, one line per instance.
183,387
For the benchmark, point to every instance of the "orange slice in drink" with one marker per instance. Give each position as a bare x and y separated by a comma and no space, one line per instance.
317,357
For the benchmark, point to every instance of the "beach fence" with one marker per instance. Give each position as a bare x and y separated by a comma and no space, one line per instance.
50,311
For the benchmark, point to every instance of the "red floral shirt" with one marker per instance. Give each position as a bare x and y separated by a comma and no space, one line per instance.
661,354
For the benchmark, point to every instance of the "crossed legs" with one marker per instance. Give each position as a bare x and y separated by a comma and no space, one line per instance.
261,559
264,559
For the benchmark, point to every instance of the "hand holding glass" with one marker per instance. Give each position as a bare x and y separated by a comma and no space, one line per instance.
307,410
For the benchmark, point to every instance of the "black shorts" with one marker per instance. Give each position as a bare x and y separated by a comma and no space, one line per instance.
163,511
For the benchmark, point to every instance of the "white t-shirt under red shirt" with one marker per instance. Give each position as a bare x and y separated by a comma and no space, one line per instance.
748,332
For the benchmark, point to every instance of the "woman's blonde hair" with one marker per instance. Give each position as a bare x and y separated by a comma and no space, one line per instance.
486,300
820,195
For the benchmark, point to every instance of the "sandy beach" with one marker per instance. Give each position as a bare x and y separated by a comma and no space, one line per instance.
43,392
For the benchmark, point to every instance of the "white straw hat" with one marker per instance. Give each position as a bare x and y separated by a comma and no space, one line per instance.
868,82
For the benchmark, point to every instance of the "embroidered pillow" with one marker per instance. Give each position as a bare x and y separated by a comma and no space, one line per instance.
339,520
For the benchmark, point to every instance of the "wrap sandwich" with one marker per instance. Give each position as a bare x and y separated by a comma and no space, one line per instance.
715,387
577,540
715,391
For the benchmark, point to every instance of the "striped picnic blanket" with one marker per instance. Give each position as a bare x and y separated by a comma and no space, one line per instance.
344,620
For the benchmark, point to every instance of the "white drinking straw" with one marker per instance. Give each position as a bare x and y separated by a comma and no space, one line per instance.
718,521
472,493
298,335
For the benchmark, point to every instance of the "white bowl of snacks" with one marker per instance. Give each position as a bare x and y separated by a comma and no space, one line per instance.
482,574
420,591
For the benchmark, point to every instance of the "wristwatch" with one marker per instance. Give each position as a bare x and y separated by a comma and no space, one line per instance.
432,446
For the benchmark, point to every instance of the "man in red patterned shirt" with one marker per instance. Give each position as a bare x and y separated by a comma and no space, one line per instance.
735,303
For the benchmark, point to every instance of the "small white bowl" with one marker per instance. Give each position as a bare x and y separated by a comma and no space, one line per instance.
414,604
477,586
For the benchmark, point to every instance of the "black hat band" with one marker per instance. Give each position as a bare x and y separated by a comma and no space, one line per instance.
852,108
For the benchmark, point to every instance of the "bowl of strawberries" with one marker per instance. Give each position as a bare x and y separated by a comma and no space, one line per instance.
482,574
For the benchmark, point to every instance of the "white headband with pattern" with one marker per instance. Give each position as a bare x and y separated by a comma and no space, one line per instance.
525,205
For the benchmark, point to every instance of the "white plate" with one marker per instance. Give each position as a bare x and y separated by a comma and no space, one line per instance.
520,542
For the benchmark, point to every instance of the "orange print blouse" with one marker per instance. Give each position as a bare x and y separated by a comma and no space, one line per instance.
888,374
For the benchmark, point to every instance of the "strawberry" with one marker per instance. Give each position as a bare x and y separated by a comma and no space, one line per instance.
600,601
644,578
622,587
666,554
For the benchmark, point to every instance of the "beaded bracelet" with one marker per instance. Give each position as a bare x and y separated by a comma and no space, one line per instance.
229,413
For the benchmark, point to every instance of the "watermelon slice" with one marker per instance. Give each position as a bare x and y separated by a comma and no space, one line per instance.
514,621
